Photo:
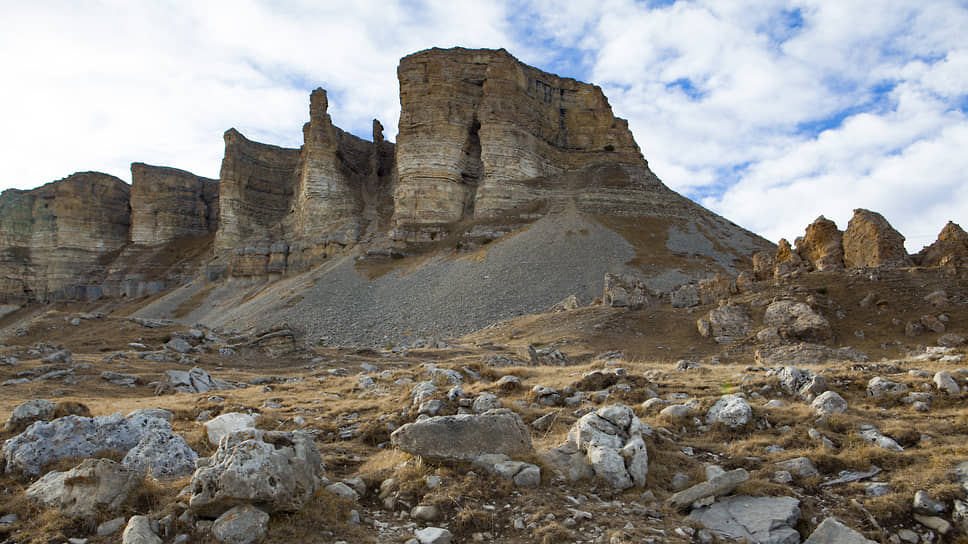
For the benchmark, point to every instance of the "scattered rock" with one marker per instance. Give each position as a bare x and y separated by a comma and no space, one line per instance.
138,531
872,435
161,454
29,412
805,384
278,471
547,357
195,380
832,531
227,424
828,403
730,410
951,340
766,520
722,484
624,291
805,354
433,535
83,492
801,466
606,443
879,387
243,524
946,383
464,437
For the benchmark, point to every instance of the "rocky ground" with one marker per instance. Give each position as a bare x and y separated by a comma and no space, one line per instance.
832,395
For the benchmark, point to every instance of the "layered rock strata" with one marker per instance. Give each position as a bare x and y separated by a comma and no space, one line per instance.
167,204
283,209
56,240
485,138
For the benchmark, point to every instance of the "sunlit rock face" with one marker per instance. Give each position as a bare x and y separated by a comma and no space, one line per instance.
167,204
56,240
483,136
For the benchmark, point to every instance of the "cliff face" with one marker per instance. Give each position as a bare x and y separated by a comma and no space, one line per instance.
56,240
282,209
477,125
167,204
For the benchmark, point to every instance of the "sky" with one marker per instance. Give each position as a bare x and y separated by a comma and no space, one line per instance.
769,113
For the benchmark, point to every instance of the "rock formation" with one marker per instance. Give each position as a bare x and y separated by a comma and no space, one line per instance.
282,209
56,240
822,247
485,138
167,204
951,246
871,241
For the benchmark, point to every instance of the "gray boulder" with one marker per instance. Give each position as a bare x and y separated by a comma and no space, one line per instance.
227,424
243,524
195,380
797,320
727,323
805,384
720,484
805,354
464,437
138,531
84,491
730,410
766,520
828,403
29,412
945,383
277,471
879,387
74,437
161,454
832,531
608,444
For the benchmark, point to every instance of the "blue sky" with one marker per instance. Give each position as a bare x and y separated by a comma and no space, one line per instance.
770,113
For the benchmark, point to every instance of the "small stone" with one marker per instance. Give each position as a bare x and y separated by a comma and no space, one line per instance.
828,403
110,527
138,531
425,513
946,383
924,504
243,524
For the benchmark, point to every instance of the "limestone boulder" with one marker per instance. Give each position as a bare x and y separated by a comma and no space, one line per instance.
161,454
828,403
607,444
797,320
93,486
464,437
728,323
870,241
226,424
767,520
764,264
951,246
138,531
821,248
547,356
243,524
28,412
624,291
832,531
276,471
196,380
879,387
74,437
730,410
805,384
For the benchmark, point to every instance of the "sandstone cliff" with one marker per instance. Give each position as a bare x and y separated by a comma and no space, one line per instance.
281,209
56,240
484,137
167,204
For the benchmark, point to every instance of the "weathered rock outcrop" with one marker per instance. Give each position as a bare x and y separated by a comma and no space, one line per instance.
822,247
56,240
485,138
167,204
871,241
283,209
951,247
